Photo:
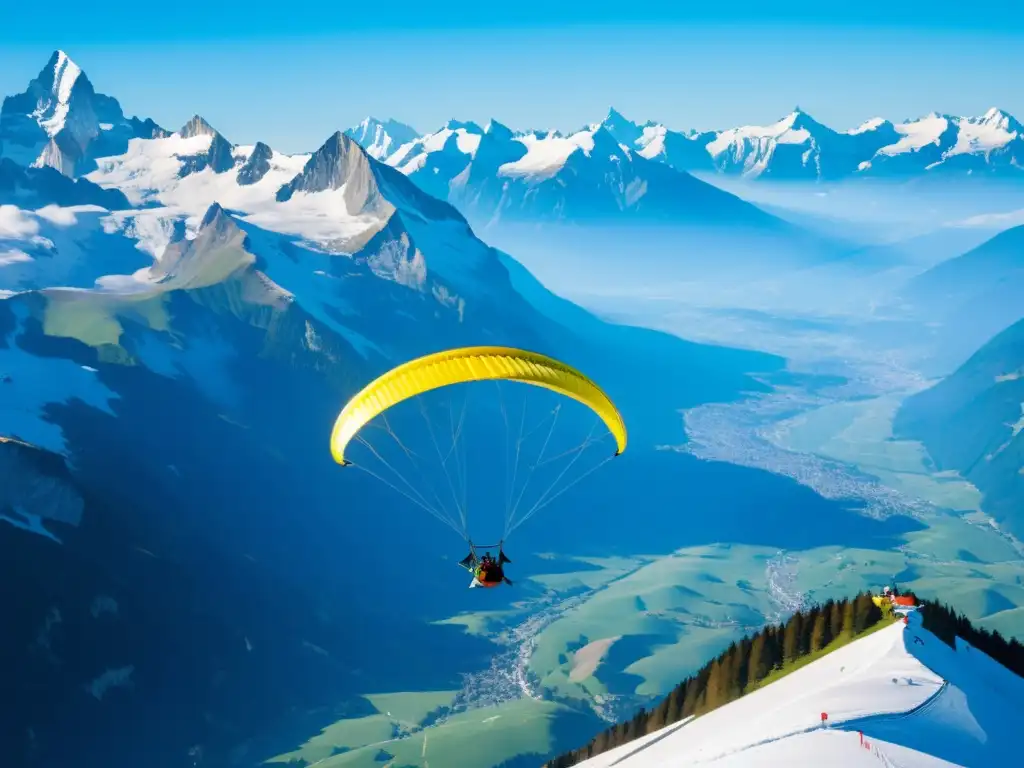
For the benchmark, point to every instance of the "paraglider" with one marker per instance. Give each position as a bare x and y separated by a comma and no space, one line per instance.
487,572
465,366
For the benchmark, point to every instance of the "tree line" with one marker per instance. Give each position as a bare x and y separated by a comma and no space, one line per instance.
946,624
739,669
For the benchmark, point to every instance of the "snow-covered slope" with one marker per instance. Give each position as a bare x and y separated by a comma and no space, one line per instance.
190,169
898,697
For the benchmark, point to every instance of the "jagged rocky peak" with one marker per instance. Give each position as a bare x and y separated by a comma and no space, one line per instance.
340,163
53,120
53,90
467,125
498,130
218,157
215,216
256,167
605,142
147,129
197,126
622,128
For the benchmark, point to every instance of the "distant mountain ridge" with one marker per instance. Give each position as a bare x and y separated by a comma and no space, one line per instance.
797,147
973,422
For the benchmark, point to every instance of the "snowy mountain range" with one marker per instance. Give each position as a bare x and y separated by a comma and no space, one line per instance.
495,174
796,147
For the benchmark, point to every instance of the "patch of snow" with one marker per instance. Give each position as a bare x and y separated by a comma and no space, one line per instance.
149,167
917,134
318,216
148,173
652,141
546,154
983,134
152,228
867,125
410,156
781,132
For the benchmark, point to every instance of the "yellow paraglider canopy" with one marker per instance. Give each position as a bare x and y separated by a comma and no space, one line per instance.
468,364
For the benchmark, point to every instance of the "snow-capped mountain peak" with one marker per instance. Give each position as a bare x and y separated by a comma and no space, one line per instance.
55,85
341,165
197,126
380,138
53,120
61,122
467,126
868,125
494,128
624,130
993,130
796,146
998,118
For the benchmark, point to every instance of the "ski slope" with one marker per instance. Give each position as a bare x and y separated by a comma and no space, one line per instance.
898,697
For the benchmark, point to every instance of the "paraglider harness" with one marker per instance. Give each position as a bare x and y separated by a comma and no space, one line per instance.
487,572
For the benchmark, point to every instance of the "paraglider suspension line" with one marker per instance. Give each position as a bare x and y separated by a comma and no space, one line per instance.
447,475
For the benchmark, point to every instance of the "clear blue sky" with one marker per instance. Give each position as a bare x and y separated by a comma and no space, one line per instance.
290,73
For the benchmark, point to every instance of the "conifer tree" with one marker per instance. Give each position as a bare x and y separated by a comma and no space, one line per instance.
757,666
689,699
711,697
807,619
847,618
826,618
730,664
835,619
674,711
657,718
774,646
791,639
738,671
862,606
818,633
